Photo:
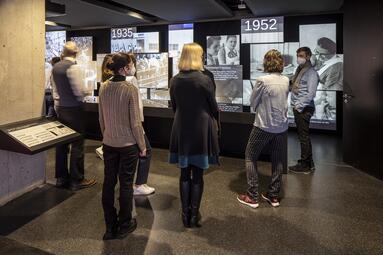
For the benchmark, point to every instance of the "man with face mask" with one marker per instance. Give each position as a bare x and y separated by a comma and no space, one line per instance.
328,64
303,91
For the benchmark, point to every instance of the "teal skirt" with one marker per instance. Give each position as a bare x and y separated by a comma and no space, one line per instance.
201,161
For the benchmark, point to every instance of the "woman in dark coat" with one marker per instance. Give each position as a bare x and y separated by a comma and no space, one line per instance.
194,138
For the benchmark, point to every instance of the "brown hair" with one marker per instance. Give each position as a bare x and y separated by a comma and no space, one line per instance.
273,62
106,73
134,60
119,60
306,50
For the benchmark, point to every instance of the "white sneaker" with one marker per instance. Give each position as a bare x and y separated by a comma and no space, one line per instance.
143,190
100,152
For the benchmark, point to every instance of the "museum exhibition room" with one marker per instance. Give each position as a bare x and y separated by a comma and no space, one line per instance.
191,127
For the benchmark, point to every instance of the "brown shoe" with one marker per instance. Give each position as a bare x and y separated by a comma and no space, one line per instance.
247,200
84,183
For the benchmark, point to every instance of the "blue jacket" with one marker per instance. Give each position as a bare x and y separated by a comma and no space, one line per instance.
307,90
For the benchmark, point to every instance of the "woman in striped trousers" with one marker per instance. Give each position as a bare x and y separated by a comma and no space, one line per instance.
269,102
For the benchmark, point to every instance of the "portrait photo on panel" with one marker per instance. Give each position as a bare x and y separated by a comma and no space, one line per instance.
222,50
321,39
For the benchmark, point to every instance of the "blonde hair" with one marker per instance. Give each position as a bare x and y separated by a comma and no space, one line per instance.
191,57
273,62
70,49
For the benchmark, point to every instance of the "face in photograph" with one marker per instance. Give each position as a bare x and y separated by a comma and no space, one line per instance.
328,64
309,34
231,42
228,53
212,48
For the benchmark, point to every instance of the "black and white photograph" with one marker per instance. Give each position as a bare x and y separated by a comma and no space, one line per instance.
179,34
85,60
248,86
325,111
222,50
290,58
148,42
140,43
152,70
54,43
99,60
321,39
257,53
229,90
85,45
155,97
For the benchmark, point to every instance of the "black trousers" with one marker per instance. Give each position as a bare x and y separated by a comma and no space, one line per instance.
302,121
144,165
120,164
72,117
258,140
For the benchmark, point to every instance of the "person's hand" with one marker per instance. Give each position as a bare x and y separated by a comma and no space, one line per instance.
143,153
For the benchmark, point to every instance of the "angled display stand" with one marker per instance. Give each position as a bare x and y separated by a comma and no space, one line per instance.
35,135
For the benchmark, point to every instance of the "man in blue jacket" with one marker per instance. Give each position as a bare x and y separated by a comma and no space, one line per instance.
303,91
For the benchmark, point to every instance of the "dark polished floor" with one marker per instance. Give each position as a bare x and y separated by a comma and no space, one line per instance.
336,210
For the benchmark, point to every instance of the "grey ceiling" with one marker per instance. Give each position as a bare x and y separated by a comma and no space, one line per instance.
291,7
83,14
181,10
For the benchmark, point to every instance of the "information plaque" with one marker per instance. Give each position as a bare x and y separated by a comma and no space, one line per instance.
39,134
35,135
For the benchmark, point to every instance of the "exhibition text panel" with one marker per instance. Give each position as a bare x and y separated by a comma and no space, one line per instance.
39,134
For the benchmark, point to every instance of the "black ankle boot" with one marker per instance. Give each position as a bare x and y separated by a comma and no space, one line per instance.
110,233
196,196
185,202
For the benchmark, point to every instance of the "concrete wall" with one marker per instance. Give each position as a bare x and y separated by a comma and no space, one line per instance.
22,47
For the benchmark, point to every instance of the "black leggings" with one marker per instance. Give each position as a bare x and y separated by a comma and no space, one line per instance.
192,171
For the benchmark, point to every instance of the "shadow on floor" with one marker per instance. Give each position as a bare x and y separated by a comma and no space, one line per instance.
14,215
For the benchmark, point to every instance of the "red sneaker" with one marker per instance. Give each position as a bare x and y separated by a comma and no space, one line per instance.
273,201
246,200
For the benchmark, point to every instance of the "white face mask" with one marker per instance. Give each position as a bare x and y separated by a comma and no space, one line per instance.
132,71
301,61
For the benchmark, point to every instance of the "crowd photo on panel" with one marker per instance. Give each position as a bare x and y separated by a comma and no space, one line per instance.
194,140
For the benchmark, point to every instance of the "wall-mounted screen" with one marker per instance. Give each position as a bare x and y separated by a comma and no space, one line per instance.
100,59
325,111
229,90
152,70
222,50
54,43
179,34
85,45
84,59
147,42
248,86
262,30
155,97
321,39
257,53
290,58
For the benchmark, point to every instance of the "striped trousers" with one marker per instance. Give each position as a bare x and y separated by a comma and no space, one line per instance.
258,141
